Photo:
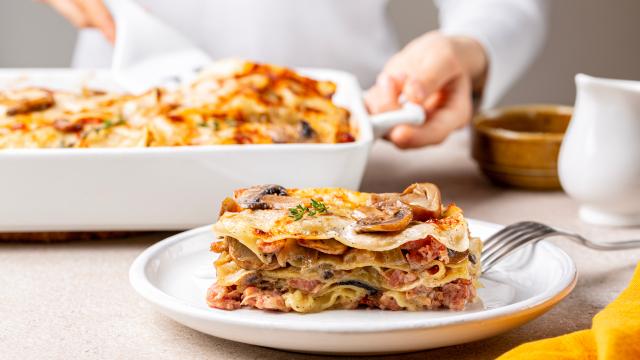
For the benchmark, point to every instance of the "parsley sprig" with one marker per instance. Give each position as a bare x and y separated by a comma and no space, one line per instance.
110,123
107,124
298,212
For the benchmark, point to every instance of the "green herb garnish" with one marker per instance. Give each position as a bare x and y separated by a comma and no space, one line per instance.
209,124
109,124
299,211
318,206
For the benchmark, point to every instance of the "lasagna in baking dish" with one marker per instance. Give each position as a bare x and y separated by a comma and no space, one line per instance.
230,102
308,250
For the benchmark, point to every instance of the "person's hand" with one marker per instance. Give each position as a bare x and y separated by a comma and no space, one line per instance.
86,14
436,71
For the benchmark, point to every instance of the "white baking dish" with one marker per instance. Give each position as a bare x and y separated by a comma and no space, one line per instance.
168,188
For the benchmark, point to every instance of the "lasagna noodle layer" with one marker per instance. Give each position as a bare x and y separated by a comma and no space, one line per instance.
348,297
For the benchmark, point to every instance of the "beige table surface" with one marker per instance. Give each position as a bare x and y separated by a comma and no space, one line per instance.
73,300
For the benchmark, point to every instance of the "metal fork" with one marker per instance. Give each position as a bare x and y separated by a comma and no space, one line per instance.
517,235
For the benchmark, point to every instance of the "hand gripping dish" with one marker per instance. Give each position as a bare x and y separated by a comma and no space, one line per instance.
309,250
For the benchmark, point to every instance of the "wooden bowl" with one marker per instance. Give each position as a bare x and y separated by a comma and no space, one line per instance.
518,146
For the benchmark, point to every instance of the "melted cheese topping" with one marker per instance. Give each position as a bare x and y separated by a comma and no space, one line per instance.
231,102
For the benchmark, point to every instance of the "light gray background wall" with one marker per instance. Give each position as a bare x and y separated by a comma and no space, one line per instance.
599,37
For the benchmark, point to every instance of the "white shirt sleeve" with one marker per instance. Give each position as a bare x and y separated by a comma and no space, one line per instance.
511,31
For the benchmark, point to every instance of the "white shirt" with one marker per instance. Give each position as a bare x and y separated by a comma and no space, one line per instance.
351,35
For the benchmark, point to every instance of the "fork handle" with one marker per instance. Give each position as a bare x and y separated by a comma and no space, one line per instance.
621,245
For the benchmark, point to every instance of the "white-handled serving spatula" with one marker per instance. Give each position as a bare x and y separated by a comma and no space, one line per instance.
148,52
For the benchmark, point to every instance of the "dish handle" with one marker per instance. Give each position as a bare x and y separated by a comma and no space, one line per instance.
409,114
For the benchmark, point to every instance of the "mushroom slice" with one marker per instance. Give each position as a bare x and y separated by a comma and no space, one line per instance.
295,255
251,198
25,101
327,246
456,257
376,198
385,216
424,199
282,202
245,258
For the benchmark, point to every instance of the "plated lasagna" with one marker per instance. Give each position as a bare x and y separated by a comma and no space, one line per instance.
309,250
230,102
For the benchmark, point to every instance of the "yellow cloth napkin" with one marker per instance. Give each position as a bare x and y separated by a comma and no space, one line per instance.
614,334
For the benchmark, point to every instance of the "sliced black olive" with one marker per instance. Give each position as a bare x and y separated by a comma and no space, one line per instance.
251,279
274,190
251,198
306,131
370,289
327,274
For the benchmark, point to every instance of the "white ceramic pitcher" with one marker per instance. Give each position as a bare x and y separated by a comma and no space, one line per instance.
599,162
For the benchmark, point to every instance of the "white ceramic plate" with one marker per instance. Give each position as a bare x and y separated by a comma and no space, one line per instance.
175,273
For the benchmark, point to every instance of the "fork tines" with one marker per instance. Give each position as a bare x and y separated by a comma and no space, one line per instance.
510,239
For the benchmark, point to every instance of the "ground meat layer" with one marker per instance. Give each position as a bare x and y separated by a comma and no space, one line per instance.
454,296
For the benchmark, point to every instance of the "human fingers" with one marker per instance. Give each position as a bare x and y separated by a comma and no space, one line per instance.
384,95
99,17
429,64
453,114
71,11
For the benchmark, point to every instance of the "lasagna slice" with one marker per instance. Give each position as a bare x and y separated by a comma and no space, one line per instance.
309,250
